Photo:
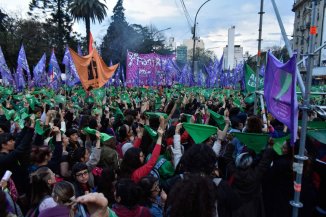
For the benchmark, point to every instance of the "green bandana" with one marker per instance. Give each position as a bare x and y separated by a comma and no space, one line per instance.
254,141
199,132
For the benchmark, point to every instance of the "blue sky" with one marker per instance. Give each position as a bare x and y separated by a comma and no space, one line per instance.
213,20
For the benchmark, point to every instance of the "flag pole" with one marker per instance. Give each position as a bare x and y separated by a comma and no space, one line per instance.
296,204
287,45
261,13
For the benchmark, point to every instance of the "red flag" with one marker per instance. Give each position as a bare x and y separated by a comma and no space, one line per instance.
91,41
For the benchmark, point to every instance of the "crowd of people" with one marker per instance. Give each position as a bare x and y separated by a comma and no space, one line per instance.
125,152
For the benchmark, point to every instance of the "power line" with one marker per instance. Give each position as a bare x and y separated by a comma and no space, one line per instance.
186,13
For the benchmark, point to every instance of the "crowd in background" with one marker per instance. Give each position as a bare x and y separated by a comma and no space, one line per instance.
127,154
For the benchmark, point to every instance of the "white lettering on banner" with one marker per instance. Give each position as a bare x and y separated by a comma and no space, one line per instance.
252,81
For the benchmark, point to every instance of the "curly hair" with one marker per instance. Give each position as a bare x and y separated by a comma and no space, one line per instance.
194,196
199,159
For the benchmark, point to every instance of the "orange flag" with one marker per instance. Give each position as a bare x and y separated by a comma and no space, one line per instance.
91,41
92,70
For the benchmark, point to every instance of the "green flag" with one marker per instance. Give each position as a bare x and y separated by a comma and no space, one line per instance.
250,79
278,144
8,113
254,141
38,128
319,135
199,132
104,136
156,114
219,119
151,132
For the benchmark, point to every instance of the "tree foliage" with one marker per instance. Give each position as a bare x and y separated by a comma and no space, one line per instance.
88,10
54,14
122,36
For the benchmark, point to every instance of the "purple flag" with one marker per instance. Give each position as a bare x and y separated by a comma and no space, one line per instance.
7,78
72,77
39,73
20,80
23,65
54,73
79,51
280,93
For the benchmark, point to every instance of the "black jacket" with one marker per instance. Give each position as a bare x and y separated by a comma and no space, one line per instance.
17,160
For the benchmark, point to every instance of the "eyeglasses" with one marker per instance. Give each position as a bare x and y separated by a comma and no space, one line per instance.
82,174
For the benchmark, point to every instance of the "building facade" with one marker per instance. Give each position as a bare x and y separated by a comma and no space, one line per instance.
238,57
301,31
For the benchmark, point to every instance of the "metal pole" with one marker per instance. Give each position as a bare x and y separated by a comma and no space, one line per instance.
261,12
194,38
305,107
315,51
262,105
287,44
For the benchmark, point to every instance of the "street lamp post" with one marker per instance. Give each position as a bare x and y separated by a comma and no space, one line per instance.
194,38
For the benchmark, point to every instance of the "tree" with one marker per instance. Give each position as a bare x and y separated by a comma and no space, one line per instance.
56,16
88,10
122,36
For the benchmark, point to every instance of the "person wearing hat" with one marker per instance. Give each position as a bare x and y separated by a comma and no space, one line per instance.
72,134
246,178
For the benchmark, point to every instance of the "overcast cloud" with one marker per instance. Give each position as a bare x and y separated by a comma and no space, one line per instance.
213,20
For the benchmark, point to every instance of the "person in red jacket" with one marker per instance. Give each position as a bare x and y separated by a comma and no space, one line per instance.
133,166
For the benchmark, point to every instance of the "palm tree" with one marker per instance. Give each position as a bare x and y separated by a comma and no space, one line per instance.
88,10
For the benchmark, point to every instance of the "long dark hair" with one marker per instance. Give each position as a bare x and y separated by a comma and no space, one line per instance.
194,196
130,162
39,185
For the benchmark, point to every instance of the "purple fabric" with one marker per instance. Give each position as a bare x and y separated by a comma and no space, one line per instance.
7,78
72,77
54,72
39,73
145,67
22,64
19,78
280,93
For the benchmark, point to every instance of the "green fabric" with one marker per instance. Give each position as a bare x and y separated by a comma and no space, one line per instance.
188,116
250,99
166,170
219,119
315,124
38,128
24,115
151,132
254,141
319,135
199,132
278,144
250,79
8,113
104,136
60,99
156,114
